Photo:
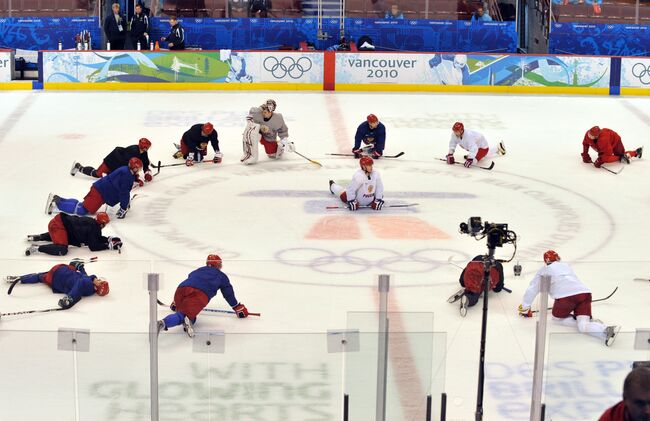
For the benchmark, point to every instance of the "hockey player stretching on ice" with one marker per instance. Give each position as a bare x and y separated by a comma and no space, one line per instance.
265,126
365,189
607,143
120,157
572,306
194,293
194,144
71,280
113,189
373,134
66,230
474,143
471,279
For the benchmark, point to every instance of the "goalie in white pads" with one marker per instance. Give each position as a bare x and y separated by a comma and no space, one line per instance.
265,126
365,189
474,143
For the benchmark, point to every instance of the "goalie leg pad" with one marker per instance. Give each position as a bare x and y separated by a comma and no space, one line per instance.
250,140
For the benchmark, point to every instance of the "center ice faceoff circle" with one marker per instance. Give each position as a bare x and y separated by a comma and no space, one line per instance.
561,216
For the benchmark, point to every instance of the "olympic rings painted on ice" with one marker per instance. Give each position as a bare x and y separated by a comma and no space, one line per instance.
287,66
362,259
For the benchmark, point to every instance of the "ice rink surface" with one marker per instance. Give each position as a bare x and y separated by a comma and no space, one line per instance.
308,269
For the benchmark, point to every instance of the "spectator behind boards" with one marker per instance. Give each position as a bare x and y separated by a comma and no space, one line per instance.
176,38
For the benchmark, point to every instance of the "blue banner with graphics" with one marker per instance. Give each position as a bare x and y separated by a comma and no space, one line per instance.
599,39
45,33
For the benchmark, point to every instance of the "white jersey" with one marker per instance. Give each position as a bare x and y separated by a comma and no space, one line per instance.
365,189
564,283
276,124
471,141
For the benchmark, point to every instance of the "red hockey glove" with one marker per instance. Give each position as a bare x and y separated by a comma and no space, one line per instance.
377,204
586,158
190,160
376,154
172,306
148,176
218,156
468,162
353,205
598,163
357,153
140,182
450,159
241,310
525,312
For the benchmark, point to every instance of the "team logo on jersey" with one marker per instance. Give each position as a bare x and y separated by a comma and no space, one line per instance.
371,188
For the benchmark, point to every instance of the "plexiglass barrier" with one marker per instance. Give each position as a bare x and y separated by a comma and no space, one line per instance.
584,377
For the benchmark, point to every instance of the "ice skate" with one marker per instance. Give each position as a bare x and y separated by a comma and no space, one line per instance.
456,296
31,250
187,327
611,332
10,279
502,148
331,182
178,155
625,159
639,152
76,167
161,325
464,302
49,204
177,146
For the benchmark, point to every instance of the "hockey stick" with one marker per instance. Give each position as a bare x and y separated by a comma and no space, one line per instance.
612,171
32,311
478,166
310,160
592,301
351,154
642,279
158,167
214,310
386,206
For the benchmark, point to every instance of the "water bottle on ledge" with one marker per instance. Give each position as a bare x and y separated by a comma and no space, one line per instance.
139,46
60,45
151,46
108,46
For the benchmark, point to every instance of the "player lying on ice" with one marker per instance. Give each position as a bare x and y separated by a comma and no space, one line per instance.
607,143
67,230
71,280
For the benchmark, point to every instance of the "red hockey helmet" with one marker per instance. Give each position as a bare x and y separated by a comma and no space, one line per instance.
550,257
594,132
144,143
207,128
372,118
102,218
214,260
135,163
101,288
365,160
458,127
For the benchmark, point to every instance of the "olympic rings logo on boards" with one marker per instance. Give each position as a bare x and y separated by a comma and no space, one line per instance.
287,66
641,72
362,259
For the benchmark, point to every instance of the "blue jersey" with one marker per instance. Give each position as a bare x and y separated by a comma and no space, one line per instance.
76,284
209,280
116,187
375,137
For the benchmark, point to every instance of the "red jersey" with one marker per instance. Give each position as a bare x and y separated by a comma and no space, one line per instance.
617,412
608,143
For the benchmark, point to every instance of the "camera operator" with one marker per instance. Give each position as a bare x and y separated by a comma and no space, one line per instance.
471,279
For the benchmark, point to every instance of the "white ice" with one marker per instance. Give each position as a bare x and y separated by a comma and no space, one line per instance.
269,222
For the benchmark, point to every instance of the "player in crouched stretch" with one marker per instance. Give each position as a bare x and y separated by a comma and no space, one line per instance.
365,189
113,189
71,280
474,143
120,157
68,230
373,134
471,279
194,144
607,143
194,293
265,126
572,306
